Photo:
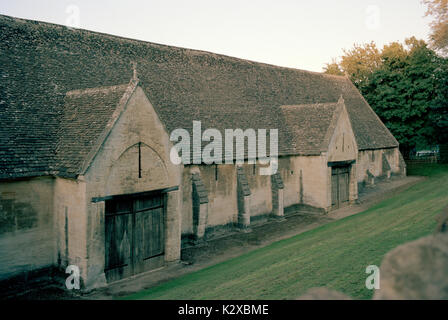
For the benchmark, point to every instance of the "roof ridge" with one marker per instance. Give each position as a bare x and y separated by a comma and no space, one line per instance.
101,89
166,46
291,106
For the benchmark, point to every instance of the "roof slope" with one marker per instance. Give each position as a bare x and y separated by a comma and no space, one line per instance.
309,125
41,62
87,116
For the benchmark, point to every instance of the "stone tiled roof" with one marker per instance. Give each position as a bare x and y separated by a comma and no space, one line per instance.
88,114
41,62
309,125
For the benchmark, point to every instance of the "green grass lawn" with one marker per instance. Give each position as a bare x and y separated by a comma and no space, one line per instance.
334,255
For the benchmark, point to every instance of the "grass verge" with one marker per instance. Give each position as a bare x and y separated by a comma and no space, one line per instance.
334,255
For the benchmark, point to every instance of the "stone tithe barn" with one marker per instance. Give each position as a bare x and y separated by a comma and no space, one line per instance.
86,176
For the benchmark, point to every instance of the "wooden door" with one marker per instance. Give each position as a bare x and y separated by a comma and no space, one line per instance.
343,184
149,234
118,240
340,181
134,236
334,188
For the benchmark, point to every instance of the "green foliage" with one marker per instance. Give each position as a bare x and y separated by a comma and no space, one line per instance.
439,107
333,68
334,255
407,86
402,92
358,63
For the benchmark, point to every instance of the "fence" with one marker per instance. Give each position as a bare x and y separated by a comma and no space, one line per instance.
418,161
440,157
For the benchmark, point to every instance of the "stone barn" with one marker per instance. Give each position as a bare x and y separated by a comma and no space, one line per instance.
85,167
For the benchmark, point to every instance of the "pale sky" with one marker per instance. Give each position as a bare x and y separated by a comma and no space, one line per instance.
291,33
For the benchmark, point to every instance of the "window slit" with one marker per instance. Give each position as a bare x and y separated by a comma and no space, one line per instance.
139,160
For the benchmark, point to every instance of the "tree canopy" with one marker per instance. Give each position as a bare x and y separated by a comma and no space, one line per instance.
407,86
438,10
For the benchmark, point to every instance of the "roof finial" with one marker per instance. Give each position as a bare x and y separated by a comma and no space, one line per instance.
134,70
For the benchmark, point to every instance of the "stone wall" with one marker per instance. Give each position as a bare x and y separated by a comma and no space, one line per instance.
305,180
70,221
222,194
53,221
372,160
342,144
115,171
292,177
26,226
315,180
260,188
221,184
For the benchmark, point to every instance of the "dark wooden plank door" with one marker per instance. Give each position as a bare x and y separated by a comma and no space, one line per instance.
334,188
340,181
134,236
343,184
119,240
149,234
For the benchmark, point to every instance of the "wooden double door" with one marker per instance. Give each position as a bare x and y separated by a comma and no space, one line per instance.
340,182
135,232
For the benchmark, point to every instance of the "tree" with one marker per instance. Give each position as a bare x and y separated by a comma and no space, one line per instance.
357,63
360,62
333,68
407,86
438,9
394,55
439,107
407,93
